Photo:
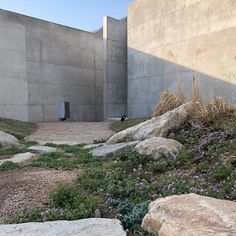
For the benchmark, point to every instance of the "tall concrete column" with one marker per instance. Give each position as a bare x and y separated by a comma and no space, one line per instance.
115,67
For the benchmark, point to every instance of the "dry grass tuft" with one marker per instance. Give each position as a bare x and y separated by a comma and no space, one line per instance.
168,102
196,91
202,113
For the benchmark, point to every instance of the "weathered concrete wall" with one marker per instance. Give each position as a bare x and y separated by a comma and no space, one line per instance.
174,40
43,63
115,67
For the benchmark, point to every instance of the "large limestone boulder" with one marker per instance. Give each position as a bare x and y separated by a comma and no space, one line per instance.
8,140
86,227
157,146
155,127
109,150
191,215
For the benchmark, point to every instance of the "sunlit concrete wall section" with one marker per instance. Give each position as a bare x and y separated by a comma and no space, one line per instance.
99,77
115,67
50,63
170,41
13,68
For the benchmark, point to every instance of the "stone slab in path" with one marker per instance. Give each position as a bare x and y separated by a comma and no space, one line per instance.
43,149
109,150
93,145
85,227
19,158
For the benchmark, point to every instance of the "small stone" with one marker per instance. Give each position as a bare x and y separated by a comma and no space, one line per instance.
98,214
43,149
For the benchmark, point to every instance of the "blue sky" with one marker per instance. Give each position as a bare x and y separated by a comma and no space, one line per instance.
82,14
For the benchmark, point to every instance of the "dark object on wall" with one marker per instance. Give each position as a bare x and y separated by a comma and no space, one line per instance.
123,118
64,110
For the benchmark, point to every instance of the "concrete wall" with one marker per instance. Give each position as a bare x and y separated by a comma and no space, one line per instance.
13,69
115,67
170,41
43,63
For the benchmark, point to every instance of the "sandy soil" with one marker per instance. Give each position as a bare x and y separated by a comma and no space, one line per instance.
71,132
29,188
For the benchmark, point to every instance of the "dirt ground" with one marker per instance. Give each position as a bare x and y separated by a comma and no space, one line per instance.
29,188
71,132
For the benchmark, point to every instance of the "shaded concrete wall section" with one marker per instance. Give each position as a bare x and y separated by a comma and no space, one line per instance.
44,63
115,67
170,41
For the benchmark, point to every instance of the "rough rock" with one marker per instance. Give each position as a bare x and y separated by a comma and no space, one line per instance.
43,149
19,158
191,214
85,227
155,127
109,150
91,146
157,146
7,140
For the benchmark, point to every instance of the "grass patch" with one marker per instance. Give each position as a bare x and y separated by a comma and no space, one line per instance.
61,159
9,165
11,151
119,125
66,204
17,128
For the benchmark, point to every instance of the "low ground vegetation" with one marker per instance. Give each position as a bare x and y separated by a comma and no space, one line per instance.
124,186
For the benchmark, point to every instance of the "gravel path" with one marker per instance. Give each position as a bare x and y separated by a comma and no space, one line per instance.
71,132
29,188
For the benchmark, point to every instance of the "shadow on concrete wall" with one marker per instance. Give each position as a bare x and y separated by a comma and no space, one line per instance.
148,76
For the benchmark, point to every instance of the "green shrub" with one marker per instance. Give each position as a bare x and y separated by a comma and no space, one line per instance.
129,214
64,196
222,173
8,165
203,167
159,167
184,158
